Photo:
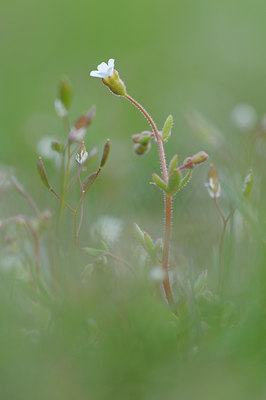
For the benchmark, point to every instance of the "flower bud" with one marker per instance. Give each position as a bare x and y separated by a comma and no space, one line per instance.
248,183
141,149
65,92
142,138
42,173
213,184
115,84
199,157
79,129
187,163
106,152
56,146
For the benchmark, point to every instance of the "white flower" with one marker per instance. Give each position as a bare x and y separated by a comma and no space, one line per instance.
108,229
44,148
157,274
104,70
81,157
214,191
244,117
60,109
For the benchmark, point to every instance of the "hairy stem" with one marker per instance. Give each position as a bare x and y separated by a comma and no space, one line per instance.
167,201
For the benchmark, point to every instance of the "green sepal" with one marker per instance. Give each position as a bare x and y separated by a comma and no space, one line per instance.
159,182
173,164
167,128
174,183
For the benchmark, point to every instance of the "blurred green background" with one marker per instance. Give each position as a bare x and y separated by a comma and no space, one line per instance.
174,56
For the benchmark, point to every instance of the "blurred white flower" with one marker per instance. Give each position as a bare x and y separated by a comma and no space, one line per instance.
108,229
157,274
60,109
5,175
214,191
244,117
44,149
104,70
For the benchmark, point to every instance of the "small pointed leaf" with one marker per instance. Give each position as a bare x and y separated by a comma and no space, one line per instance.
173,164
186,179
149,245
166,132
174,183
248,183
159,182
94,252
139,233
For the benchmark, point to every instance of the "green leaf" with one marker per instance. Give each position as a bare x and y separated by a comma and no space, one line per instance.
148,242
93,252
174,183
173,164
201,282
139,233
159,182
248,183
186,178
166,132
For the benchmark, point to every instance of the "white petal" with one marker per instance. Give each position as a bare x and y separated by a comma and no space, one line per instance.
109,71
111,63
102,67
97,74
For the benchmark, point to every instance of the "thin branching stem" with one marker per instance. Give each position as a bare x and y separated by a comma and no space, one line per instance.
167,201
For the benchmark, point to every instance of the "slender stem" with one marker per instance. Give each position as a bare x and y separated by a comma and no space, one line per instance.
81,207
167,201
219,209
75,231
65,179
60,198
220,278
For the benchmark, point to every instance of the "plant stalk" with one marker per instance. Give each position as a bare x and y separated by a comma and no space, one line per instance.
167,201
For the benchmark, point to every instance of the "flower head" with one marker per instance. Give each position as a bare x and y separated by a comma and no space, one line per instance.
82,156
104,70
110,77
213,184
